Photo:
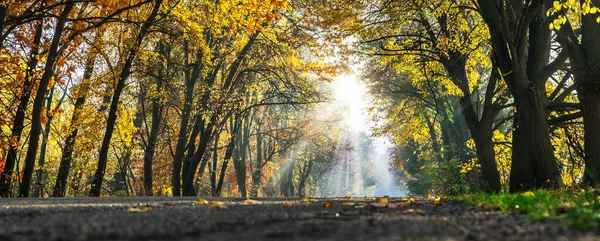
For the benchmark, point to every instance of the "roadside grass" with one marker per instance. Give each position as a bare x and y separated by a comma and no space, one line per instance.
578,209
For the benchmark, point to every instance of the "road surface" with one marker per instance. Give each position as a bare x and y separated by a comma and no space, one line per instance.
162,218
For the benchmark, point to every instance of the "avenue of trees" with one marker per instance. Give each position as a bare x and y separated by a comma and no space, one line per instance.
222,98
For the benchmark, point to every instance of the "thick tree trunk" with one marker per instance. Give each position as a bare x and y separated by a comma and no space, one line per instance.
112,115
521,174
19,120
40,95
484,147
590,96
67,150
532,116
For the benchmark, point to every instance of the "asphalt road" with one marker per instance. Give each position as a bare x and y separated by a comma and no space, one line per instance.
164,218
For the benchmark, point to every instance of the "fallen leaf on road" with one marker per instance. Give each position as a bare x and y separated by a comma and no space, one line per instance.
382,200
410,201
378,205
217,205
138,210
327,204
305,200
250,201
288,204
409,211
201,201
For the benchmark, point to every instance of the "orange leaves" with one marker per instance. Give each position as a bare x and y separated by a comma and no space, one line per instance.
287,204
327,204
383,201
211,204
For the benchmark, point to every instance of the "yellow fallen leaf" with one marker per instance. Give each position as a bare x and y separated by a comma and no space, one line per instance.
327,204
410,201
288,204
404,199
305,200
378,205
250,201
216,205
528,194
409,211
438,202
201,201
138,210
382,200
430,198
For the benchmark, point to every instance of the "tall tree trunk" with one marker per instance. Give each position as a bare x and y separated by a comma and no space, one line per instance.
18,123
227,158
157,111
481,129
39,173
590,95
67,150
112,115
183,125
239,158
257,172
40,95
213,171
304,178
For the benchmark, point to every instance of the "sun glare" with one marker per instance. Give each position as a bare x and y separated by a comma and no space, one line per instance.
349,93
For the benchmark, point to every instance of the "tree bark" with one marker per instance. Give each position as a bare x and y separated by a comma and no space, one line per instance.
40,95
112,115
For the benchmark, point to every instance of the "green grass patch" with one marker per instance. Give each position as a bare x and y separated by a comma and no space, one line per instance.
578,209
